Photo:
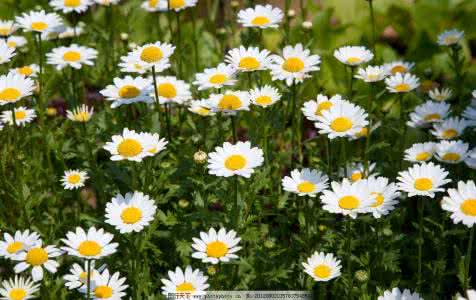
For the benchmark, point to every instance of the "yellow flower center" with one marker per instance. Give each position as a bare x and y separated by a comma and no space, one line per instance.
218,79
378,199
128,92
249,63
217,249
82,116
423,184
103,291
131,215
229,102
423,156
129,148
72,56
153,3
451,156
349,202
10,94
11,44
260,21
264,100
36,256
325,105
174,4
51,111
235,162
72,3
25,71
84,275
356,176
432,117
4,31
39,26
167,90
74,179
185,287
17,294
89,248
468,207
14,247
20,115
450,133
322,271
451,39
306,187
354,60
363,132
341,124
293,64
402,87
203,111
151,54
398,69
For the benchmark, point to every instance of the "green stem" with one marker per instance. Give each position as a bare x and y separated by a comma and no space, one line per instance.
167,121
370,99
233,128
179,45
156,92
467,262
236,204
421,208
351,82
293,124
372,20
88,280
348,232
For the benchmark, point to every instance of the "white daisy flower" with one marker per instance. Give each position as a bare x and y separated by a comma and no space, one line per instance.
450,37
191,282
15,87
7,28
470,161
314,108
39,21
21,241
248,60
353,55
427,113
68,32
470,294
154,55
295,64
106,286
131,64
261,16
450,128
155,143
73,56
78,275
19,288
26,71
201,107
348,199
396,294
423,180
214,247
222,75
128,90
354,171
172,90
16,41
130,213
37,257
470,114
343,119
151,5
107,2
6,53
398,66
129,146
230,102
440,95
452,152
371,73
307,182
402,83
322,266
175,5
23,116
461,203
385,196
94,244
68,6
74,179
80,114
420,152
264,96
234,159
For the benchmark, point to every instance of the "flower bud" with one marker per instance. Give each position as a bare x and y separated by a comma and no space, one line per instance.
200,157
